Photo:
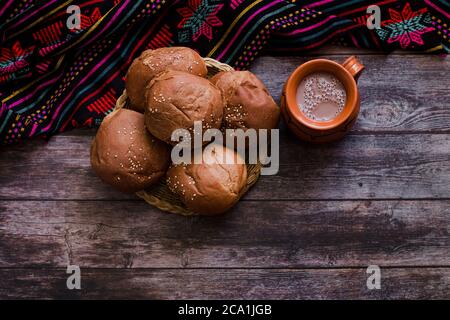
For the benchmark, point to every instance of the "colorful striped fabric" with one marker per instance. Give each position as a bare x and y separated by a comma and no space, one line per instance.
54,78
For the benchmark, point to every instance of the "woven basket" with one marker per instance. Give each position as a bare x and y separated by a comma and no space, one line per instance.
160,195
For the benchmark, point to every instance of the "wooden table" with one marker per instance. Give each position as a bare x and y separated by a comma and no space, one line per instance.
379,197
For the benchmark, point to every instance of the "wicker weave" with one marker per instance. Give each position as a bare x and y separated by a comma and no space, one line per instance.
159,195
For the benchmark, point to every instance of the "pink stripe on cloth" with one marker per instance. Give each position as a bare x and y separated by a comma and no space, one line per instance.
313,5
33,13
33,130
5,6
100,64
32,93
110,21
428,2
244,25
116,74
308,28
314,45
346,13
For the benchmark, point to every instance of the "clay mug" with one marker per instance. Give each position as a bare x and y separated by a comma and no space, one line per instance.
322,131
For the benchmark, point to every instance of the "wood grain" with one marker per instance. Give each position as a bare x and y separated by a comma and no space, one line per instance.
388,166
270,234
380,196
396,283
398,93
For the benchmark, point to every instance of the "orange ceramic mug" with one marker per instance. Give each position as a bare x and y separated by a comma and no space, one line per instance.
322,131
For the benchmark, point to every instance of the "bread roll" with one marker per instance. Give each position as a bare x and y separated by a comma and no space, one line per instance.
125,155
175,100
248,103
212,187
153,62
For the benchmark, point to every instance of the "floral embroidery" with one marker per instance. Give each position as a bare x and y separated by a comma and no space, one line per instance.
198,18
13,59
405,27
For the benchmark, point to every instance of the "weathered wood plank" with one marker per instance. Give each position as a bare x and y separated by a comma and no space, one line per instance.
369,164
255,234
397,283
359,167
398,93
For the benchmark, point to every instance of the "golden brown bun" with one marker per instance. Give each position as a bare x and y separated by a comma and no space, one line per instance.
153,62
125,155
209,189
175,100
248,103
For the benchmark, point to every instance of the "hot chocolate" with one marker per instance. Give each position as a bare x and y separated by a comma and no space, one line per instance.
321,96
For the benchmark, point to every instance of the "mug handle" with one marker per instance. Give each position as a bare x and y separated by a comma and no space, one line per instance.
354,66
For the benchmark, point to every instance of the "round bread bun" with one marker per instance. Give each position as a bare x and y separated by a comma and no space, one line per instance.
125,155
211,187
248,103
153,62
175,100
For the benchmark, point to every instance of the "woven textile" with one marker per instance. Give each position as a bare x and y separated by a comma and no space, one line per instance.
54,78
